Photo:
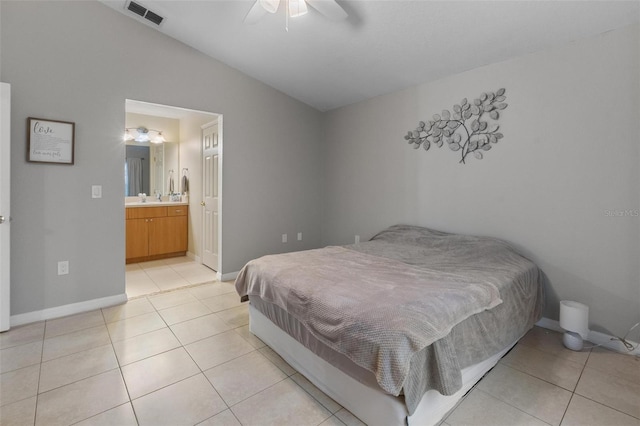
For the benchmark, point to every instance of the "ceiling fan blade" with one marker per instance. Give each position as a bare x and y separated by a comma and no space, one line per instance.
270,6
329,8
255,14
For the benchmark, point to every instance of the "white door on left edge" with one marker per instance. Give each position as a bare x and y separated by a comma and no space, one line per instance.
5,198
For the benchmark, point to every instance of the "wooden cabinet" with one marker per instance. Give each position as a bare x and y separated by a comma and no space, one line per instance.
156,232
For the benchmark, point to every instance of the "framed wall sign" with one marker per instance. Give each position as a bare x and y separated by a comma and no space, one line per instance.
50,141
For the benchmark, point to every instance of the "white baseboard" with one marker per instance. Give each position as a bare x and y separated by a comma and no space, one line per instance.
228,276
595,337
73,308
193,257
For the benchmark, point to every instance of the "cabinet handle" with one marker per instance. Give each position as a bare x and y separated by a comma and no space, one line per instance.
150,220
178,211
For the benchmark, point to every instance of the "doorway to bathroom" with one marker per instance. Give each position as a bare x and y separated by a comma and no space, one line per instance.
169,197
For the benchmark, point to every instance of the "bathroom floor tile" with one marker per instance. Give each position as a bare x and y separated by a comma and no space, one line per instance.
199,328
205,291
77,341
19,384
73,323
145,345
243,377
153,264
542,365
190,401
132,267
171,299
141,288
614,391
277,360
81,400
333,421
316,393
215,350
550,342
21,356
80,365
481,409
236,317
122,415
585,412
150,374
135,326
282,403
127,310
226,418
622,365
19,413
22,334
222,302
533,396
184,312
249,337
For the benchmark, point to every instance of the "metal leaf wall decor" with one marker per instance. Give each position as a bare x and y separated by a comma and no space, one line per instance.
466,130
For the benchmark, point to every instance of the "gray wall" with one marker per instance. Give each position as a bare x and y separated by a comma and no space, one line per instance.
570,153
79,61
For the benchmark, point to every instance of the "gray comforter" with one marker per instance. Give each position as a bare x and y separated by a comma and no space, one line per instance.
398,305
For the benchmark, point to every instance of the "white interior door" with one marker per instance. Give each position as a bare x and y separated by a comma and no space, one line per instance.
210,196
5,198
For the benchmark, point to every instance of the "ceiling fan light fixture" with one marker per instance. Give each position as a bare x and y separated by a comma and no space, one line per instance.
270,6
297,8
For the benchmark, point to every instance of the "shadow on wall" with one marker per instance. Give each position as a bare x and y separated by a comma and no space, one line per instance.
600,301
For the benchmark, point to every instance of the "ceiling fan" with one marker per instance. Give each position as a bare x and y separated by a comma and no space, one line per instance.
329,8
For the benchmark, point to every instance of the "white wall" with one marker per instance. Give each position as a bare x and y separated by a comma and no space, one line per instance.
570,153
79,61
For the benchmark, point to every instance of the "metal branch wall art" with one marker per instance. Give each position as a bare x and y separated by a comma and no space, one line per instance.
466,130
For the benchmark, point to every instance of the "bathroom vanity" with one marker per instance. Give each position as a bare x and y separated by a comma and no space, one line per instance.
156,230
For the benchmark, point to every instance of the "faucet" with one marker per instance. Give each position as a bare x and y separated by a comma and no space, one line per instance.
159,195
143,197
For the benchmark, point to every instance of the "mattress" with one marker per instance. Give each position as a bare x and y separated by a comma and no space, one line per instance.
438,365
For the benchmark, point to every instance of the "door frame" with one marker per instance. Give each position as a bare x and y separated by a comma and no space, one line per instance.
5,205
219,122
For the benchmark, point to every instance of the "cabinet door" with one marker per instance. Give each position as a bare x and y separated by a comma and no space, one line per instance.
167,235
137,238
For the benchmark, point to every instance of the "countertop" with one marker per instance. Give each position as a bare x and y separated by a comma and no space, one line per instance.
150,203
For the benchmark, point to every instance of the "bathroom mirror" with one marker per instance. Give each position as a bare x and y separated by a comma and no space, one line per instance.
149,166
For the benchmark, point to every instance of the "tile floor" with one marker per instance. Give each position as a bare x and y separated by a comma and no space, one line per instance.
186,357
167,274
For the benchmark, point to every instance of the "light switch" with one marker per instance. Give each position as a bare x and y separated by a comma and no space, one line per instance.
96,191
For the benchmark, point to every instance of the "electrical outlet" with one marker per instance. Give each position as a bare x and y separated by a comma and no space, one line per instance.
357,239
284,238
63,267
96,191
299,236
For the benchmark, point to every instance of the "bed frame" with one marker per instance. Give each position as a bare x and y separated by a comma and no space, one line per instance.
371,405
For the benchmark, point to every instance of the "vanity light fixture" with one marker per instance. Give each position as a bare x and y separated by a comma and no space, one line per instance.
142,135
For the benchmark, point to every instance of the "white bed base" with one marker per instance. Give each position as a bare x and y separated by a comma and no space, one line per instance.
371,405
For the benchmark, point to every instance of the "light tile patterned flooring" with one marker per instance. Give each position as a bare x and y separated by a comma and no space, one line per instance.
167,274
186,357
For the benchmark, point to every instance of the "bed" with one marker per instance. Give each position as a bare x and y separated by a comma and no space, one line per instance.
399,328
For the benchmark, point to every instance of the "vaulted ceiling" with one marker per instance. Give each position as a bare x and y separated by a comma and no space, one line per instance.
382,46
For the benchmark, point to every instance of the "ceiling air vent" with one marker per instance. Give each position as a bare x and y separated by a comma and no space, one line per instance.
145,13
